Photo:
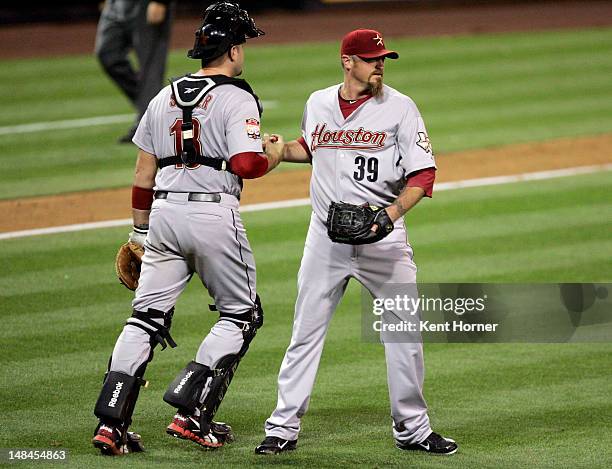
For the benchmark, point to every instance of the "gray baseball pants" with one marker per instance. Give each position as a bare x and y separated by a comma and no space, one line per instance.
185,237
324,274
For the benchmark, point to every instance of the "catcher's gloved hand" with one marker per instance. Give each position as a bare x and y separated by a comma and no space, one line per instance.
129,259
352,224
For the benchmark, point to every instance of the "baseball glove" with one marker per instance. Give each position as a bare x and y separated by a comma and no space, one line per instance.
352,224
127,264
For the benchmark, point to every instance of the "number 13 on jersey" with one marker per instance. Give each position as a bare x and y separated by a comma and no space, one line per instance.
176,132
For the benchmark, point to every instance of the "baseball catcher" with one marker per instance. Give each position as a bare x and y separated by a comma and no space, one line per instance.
187,222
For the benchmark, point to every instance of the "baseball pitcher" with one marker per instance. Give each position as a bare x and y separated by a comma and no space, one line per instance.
372,161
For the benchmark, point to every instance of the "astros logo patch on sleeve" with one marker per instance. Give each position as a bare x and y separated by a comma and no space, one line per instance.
252,129
424,142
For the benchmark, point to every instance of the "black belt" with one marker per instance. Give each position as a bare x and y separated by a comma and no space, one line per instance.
215,163
193,196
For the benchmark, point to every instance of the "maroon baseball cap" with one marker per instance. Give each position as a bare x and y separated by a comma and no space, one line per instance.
366,43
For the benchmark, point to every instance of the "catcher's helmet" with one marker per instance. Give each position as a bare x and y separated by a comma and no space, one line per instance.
225,25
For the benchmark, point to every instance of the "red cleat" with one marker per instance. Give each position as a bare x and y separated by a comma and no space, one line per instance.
109,441
188,428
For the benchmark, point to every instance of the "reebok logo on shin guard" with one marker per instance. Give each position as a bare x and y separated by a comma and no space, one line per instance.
183,382
184,392
117,396
116,393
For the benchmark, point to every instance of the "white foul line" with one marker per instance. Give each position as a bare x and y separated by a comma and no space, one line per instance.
490,181
79,123
493,181
66,124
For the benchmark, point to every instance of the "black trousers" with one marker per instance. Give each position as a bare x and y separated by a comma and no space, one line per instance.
122,28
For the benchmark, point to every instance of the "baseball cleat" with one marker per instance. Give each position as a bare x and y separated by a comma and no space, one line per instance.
275,445
434,444
109,441
187,427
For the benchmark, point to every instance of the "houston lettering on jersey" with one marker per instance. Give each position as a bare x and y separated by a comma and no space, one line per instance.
360,139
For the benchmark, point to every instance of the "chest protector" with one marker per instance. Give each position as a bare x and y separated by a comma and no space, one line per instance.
188,92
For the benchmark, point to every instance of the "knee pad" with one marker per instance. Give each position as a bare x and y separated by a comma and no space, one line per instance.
257,314
160,333
249,322
118,397
185,391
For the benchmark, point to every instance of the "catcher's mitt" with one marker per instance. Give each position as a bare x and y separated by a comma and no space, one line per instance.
127,264
352,224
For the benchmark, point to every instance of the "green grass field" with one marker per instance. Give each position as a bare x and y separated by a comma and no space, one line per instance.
473,91
508,405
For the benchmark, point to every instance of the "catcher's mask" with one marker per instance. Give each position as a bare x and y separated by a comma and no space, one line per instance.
225,25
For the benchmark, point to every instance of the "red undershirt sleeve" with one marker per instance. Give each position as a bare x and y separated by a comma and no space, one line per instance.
249,165
423,178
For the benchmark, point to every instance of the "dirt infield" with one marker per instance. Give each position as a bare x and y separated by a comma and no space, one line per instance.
83,207
403,20
63,39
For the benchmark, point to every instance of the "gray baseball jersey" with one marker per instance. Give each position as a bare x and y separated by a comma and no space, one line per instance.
363,158
225,123
191,237
366,157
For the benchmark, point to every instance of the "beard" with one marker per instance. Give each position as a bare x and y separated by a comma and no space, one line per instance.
375,85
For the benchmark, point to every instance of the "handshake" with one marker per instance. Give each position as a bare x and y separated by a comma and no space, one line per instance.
274,147
277,150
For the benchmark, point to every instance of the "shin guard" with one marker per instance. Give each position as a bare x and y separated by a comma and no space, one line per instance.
184,392
225,369
118,397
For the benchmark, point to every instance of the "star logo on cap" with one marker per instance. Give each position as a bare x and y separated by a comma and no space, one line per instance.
379,40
